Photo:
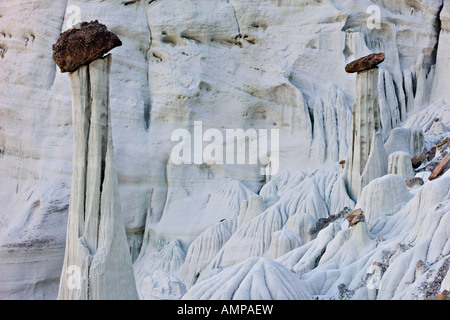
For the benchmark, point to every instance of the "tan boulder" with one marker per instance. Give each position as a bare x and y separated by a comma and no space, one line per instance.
355,217
443,166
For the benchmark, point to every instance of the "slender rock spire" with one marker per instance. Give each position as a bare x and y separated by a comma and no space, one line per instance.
97,261
366,159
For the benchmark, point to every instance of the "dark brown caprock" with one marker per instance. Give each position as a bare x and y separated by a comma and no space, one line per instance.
83,44
365,63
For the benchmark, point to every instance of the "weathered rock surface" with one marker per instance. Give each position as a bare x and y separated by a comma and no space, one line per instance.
245,66
417,160
83,44
253,279
431,153
383,197
439,127
414,182
442,143
162,286
399,162
410,140
97,262
366,159
441,168
365,63
355,217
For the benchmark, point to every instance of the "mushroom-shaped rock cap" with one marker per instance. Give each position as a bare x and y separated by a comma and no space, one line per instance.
365,63
354,217
83,44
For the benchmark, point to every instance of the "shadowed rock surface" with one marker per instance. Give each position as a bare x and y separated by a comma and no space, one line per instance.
414,182
83,44
417,160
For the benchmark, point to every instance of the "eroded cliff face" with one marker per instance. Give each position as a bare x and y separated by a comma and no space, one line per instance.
229,64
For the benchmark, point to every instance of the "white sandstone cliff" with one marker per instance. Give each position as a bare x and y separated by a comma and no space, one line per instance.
235,64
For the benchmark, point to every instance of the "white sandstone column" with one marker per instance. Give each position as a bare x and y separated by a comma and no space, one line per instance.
97,262
365,142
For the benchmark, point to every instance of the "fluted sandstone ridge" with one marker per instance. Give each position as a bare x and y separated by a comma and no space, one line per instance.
253,279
